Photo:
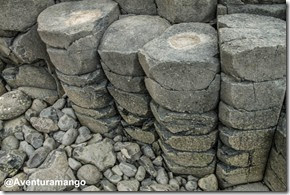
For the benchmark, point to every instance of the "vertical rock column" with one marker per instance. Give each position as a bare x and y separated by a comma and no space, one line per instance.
72,32
118,51
276,172
253,61
183,80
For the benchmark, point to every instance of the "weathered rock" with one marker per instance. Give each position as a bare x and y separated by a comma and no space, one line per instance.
90,174
130,150
280,139
103,125
251,96
193,101
2,87
230,176
59,104
38,105
11,161
99,154
161,188
251,187
82,80
247,120
197,143
58,135
49,112
26,147
120,55
187,159
145,136
146,7
74,164
15,188
273,182
66,122
191,123
69,137
13,126
32,136
148,151
135,103
183,58
89,96
195,171
105,112
130,185
108,186
208,183
162,177
47,95
128,169
49,143
91,189
13,104
147,164
37,157
177,11
44,125
55,167
62,24
246,140
19,17
134,84
191,185
38,77
129,118
248,52
140,174
9,143
84,135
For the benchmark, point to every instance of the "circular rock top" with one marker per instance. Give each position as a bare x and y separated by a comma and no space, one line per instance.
124,37
63,23
13,104
183,57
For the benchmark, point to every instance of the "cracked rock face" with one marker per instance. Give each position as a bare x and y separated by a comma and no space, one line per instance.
13,104
179,11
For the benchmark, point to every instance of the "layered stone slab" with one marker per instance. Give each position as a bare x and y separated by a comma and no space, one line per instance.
197,101
246,120
189,123
62,24
252,96
120,54
129,118
145,7
135,103
183,58
252,57
105,112
147,136
188,159
179,11
193,143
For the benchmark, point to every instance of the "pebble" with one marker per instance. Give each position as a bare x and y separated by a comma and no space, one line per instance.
91,189
69,137
49,143
95,138
38,157
57,136
208,183
27,148
66,122
74,164
90,174
30,113
44,125
141,173
191,186
162,177
129,185
158,161
128,169
147,151
38,105
84,135
59,104
32,136
148,165
116,169
70,112
108,186
10,143
174,183
49,112
18,135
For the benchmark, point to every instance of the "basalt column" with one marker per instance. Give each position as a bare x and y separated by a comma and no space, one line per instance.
183,80
72,32
253,63
118,51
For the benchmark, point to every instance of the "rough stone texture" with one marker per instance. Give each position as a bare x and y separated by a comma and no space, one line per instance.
196,101
90,96
129,185
145,7
62,24
99,154
252,187
179,11
44,125
145,136
90,174
189,123
133,102
120,55
24,15
187,142
252,96
208,183
13,126
183,57
106,112
38,77
55,167
129,118
11,161
47,95
252,57
247,120
13,104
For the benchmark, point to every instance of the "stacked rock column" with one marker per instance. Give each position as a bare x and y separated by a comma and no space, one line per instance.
253,62
23,56
183,81
276,172
118,51
72,32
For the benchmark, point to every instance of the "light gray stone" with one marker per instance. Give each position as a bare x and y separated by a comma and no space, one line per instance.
251,187
13,126
146,7
47,95
58,135
13,104
161,188
208,183
147,164
108,186
66,122
140,174
130,185
74,164
128,169
9,143
44,125
49,143
192,101
27,148
130,118
191,186
69,137
84,135
162,177
108,111
90,174
49,112
11,161
120,55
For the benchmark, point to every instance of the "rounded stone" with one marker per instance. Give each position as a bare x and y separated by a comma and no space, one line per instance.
13,104
90,174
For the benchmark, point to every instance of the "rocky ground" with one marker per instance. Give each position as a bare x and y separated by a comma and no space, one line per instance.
40,141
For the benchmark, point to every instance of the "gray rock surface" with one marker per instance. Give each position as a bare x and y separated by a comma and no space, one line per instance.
90,174
208,183
145,7
32,136
44,125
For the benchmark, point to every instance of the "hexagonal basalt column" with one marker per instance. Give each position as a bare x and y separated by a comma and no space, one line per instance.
253,62
72,32
118,51
183,80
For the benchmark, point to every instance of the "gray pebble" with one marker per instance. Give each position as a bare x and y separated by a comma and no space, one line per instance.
59,104
128,169
74,164
191,185
32,136
90,174
141,173
84,135
10,143
70,112
58,135
69,137
162,177
27,148
49,143
108,186
147,151
38,157
66,122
